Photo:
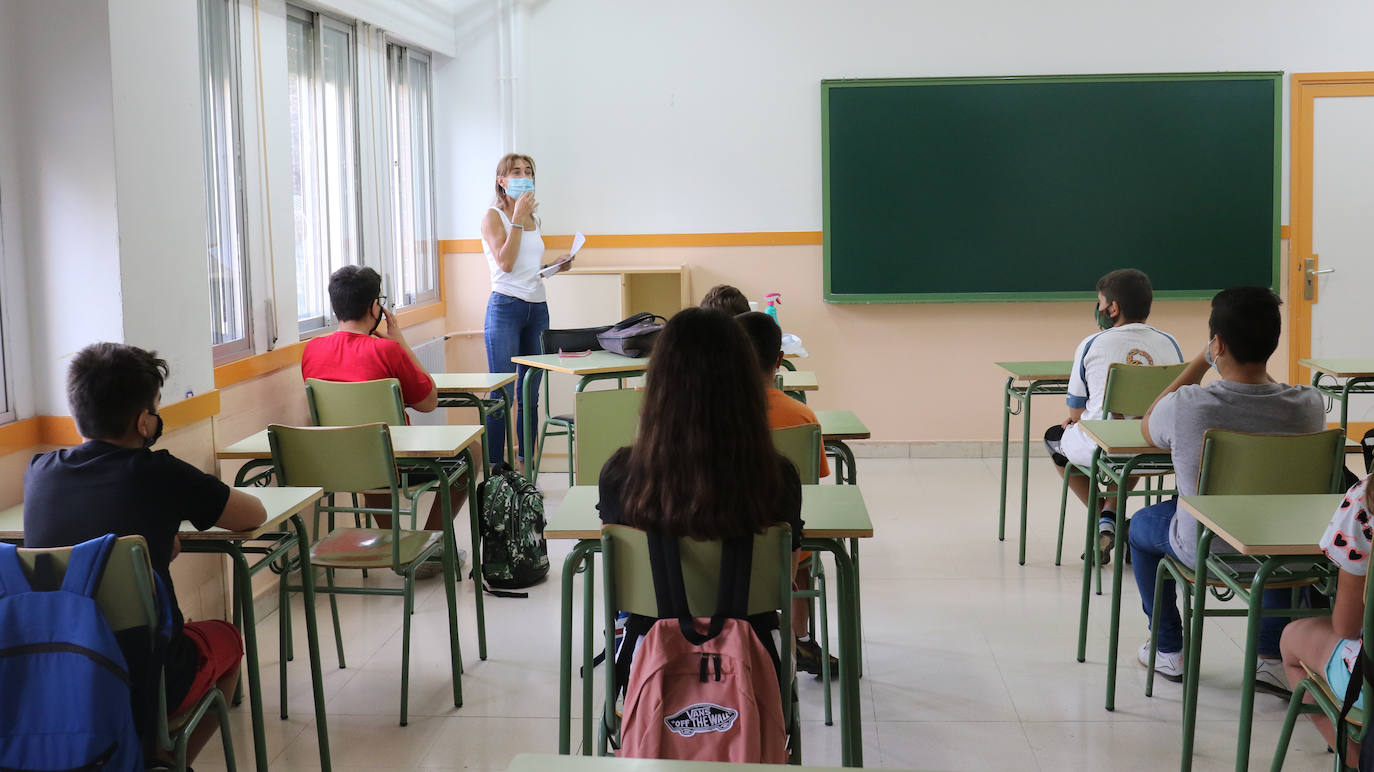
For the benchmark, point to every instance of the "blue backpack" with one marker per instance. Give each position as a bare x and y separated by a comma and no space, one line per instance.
66,685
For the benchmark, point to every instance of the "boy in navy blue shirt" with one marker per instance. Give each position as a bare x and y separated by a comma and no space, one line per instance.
115,483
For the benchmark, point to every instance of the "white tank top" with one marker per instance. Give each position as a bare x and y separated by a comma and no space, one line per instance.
522,281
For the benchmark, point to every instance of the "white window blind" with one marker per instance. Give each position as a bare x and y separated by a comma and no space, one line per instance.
412,267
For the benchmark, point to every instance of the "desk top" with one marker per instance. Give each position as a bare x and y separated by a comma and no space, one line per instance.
841,425
1341,368
1057,370
829,511
1267,524
450,384
406,442
1119,437
799,380
540,762
595,363
280,504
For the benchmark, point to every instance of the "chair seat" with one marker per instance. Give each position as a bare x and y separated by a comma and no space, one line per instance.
1191,576
565,420
369,547
1356,715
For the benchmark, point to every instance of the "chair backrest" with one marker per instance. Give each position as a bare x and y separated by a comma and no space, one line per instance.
337,459
1240,463
338,403
606,421
1131,389
126,594
801,445
630,584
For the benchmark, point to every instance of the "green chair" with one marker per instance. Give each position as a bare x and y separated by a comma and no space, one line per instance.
551,342
336,403
802,446
609,421
360,458
1129,392
128,598
1241,463
1327,701
629,586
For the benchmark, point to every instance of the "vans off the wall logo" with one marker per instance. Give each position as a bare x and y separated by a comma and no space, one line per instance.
701,717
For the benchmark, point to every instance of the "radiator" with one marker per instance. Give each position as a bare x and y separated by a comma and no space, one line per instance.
431,356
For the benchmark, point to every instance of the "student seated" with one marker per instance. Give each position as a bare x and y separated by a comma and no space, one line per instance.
725,299
1331,645
1123,305
1244,330
369,346
784,411
704,465
115,483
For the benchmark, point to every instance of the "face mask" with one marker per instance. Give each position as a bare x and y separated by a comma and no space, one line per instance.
1207,354
1104,319
518,185
150,441
380,316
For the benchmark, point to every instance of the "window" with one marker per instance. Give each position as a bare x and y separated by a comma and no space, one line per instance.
413,265
219,69
6,409
324,157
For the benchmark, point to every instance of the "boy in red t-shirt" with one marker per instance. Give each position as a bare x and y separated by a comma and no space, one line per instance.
365,349
784,411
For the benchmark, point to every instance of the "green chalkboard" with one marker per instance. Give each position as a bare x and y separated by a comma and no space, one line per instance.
1030,188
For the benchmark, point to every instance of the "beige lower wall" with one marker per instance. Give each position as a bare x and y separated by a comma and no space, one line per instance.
919,372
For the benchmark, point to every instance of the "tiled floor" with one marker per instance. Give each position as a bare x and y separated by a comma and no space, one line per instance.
969,658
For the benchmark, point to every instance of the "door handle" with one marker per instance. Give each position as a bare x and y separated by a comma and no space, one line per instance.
1309,273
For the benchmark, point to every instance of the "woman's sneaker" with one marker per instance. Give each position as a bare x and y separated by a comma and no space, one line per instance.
1168,664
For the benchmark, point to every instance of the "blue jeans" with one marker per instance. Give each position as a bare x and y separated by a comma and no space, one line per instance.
1149,538
513,328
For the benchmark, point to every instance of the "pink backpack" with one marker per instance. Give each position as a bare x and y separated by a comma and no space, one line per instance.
696,696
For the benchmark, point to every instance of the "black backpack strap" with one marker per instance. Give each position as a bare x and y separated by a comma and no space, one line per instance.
1352,693
12,578
670,586
86,565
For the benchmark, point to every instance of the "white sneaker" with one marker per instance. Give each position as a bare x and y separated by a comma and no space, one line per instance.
1167,664
1270,677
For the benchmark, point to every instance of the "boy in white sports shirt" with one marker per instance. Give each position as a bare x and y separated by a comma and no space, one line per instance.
1124,297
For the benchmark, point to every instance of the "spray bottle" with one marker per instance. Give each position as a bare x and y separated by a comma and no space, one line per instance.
774,300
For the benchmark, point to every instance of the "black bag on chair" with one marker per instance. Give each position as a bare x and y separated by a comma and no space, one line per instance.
632,337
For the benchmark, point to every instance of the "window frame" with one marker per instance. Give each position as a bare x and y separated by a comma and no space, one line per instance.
394,271
241,346
8,412
316,22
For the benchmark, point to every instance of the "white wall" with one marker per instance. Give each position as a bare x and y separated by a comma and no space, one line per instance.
160,183
65,178
701,117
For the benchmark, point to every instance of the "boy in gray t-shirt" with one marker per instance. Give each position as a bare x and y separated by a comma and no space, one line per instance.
1244,332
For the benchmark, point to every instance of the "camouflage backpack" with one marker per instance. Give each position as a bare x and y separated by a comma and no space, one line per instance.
513,550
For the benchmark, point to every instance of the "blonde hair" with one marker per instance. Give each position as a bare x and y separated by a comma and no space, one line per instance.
503,167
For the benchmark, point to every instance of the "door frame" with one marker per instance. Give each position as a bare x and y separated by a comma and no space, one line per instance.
1305,88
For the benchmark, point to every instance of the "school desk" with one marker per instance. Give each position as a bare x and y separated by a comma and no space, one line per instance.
1275,537
832,513
836,427
423,448
465,390
1339,378
1120,453
282,504
1024,380
602,366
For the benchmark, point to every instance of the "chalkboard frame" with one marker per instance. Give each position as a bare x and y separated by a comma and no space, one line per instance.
830,296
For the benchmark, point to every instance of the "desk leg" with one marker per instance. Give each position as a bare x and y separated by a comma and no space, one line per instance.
847,591
1006,446
312,633
1118,569
1247,682
1089,550
243,603
474,525
575,557
1025,465
513,424
588,680
1192,661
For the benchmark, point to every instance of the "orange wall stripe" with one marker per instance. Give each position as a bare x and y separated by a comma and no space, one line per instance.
58,430
1285,232
19,436
651,240
188,412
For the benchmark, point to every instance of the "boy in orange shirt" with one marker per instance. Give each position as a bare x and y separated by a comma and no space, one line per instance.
784,411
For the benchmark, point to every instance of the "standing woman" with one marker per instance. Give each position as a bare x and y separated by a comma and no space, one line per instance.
517,314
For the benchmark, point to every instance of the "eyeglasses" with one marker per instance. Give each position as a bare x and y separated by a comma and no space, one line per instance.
383,299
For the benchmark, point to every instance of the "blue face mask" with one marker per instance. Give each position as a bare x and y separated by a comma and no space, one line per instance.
1207,354
515,186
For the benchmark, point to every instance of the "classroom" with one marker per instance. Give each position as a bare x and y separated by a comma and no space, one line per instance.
184,176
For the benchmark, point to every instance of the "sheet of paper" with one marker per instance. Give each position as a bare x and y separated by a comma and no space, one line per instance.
552,269
578,241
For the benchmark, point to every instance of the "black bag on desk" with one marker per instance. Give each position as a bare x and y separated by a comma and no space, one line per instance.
572,340
632,337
